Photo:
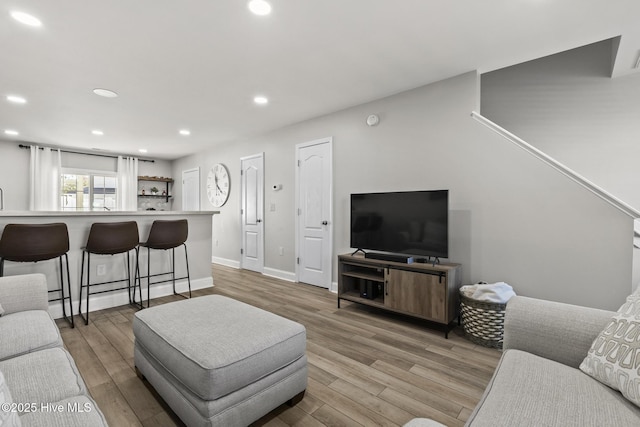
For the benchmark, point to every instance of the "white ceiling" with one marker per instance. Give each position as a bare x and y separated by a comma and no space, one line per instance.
198,64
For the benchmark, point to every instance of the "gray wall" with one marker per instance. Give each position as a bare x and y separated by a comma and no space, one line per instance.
567,106
14,176
512,217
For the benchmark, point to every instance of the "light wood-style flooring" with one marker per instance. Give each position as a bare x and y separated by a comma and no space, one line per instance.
366,367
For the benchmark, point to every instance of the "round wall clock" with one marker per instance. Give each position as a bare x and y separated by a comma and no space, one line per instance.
218,185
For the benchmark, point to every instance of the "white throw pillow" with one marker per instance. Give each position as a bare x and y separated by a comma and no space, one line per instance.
614,356
8,416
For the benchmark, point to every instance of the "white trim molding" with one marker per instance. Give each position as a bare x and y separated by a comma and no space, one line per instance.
280,274
226,262
115,299
569,173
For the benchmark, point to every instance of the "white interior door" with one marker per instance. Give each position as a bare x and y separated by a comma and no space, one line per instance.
191,190
252,212
314,213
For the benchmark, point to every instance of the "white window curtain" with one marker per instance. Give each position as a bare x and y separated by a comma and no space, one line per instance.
127,183
44,182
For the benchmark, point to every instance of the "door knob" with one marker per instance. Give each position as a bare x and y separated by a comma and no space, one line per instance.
258,220
325,222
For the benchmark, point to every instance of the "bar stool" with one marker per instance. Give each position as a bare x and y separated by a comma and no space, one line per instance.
110,238
39,242
162,236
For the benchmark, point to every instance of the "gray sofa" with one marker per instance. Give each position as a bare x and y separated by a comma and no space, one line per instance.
538,381
39,382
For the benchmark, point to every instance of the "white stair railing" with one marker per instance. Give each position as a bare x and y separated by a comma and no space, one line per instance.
571,174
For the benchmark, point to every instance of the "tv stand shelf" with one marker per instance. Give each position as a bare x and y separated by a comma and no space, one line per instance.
379,278
425,291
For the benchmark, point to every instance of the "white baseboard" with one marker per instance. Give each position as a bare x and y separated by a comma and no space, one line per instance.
280,274
224,261
334,287
271,272
117,298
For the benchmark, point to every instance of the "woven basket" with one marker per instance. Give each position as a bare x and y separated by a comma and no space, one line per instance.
483,322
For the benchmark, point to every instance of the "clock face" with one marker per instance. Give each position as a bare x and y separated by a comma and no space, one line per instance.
218,185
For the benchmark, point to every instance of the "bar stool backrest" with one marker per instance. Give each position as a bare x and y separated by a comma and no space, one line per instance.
167,234
34,242
112,237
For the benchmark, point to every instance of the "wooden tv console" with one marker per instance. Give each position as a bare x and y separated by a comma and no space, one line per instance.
425,291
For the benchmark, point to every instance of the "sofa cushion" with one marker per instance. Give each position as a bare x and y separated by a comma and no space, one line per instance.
216,345
78,411
8,416
614,356
43,376
24,292
27,331
528,390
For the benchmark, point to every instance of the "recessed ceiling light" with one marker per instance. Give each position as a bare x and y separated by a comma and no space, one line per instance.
16,99
97,132
261,100
105,92
143,150
185,132
11,132
26,19
259,7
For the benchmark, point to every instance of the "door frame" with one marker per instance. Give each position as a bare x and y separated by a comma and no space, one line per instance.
196,169
327,140
261,209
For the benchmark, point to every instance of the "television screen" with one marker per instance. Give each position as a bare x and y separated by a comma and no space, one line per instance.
407,222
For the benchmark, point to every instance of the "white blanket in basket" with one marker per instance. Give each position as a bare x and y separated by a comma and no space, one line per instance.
499,292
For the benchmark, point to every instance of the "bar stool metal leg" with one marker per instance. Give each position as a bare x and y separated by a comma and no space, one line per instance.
162,236
172,272
136,280
148,277
136,283
186,258
110,238
70,319
82,285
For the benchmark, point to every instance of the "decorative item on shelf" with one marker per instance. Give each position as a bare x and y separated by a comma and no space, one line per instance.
154,190
142,192
164,192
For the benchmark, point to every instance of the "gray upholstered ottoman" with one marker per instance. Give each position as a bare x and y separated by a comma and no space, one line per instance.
219,362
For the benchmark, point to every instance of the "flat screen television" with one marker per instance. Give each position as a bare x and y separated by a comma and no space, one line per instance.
414,223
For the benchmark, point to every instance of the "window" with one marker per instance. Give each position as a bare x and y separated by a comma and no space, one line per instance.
88,191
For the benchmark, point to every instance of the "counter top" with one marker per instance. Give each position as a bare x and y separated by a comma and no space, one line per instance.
100,213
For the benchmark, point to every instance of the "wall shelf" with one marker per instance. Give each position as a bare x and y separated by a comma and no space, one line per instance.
155,196
166,181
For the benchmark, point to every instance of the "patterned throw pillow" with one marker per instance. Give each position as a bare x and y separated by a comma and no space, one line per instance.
614,357
7,418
